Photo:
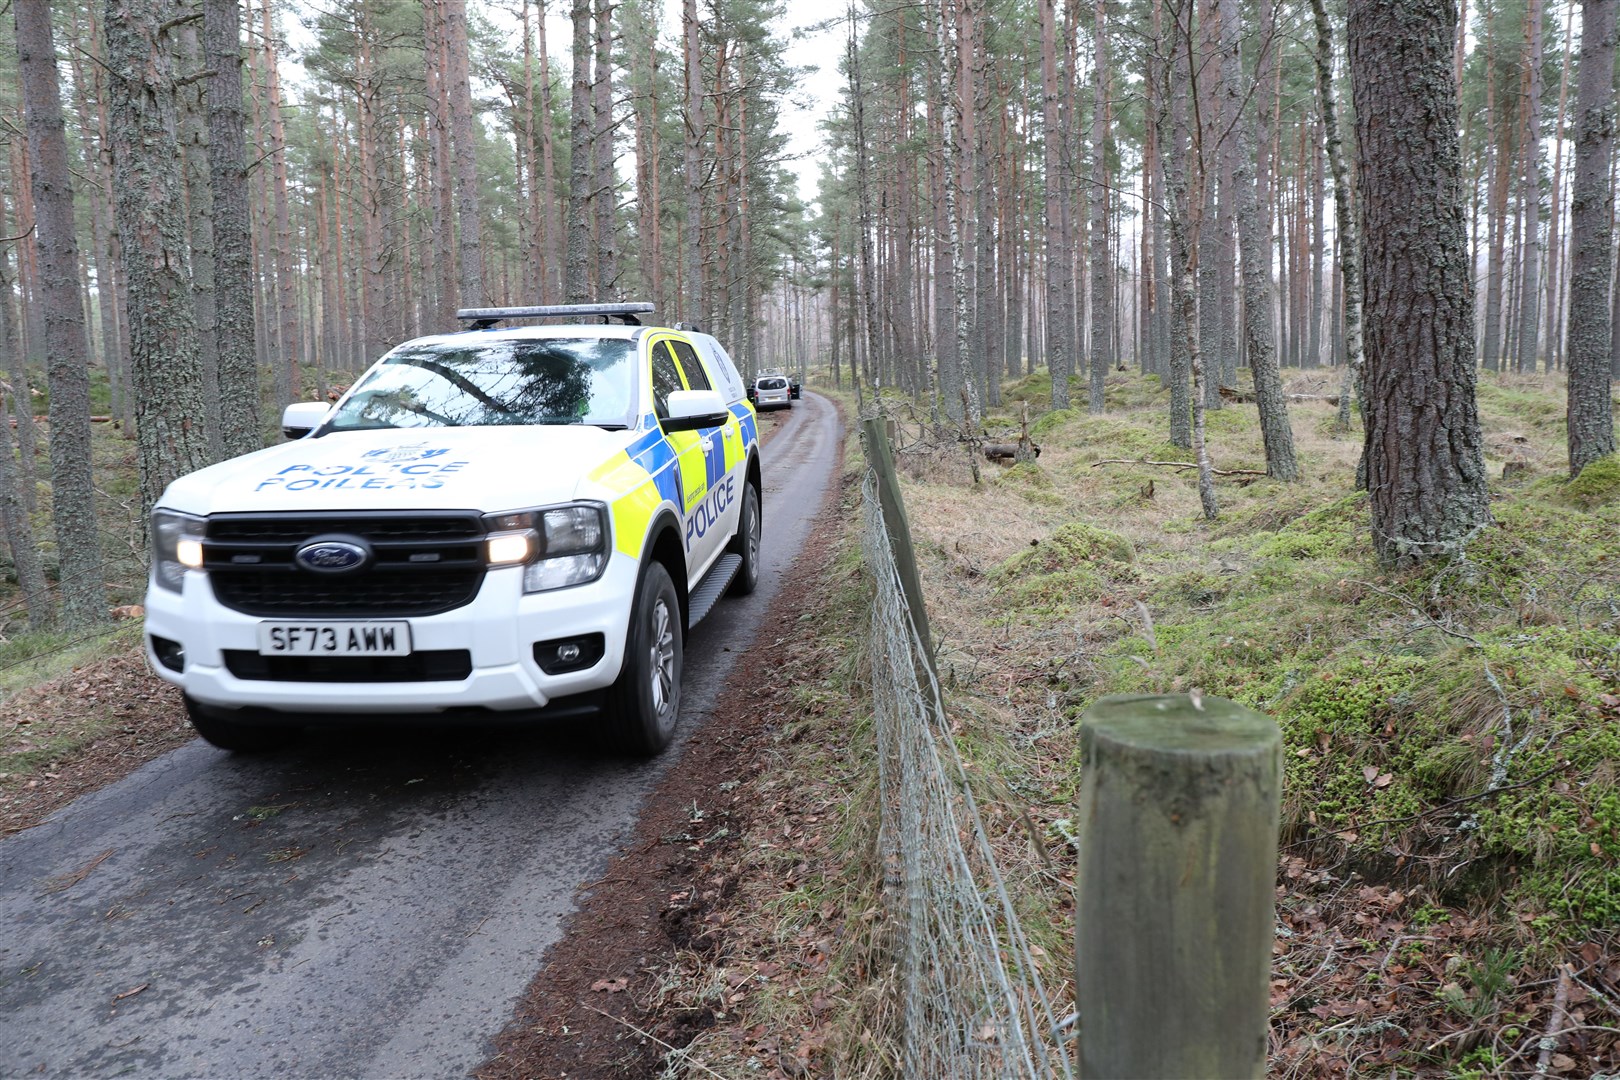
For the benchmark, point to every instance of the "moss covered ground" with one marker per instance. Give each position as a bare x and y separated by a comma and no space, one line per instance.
1452,734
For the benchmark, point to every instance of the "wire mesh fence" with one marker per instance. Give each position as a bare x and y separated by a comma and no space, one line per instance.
973,1001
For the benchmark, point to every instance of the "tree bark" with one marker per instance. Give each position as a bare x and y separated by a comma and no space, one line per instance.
164,357
696,303
19,531
1344,217
1530,277
1499,136
200,218
604,193
952,113
78,537
1425,464
577,288
286,364
1060,349
1591,230
463,137
1102,284
1274,426
1554,244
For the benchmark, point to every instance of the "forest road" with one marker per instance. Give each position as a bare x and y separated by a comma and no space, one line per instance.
355,906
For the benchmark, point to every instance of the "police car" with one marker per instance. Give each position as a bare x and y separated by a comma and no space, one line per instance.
488,523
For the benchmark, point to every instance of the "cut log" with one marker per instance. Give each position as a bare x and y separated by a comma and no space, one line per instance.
1006,453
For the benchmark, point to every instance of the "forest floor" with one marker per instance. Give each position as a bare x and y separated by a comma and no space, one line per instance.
1450,876
1449,881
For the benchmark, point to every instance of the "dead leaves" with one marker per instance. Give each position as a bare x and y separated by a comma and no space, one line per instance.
611,986
1376,778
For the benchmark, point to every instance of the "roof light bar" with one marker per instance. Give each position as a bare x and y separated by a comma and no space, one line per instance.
489,316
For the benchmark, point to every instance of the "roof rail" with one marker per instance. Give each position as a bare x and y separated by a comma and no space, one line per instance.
483,318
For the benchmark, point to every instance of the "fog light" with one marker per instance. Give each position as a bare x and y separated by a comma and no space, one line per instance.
168,653
568,654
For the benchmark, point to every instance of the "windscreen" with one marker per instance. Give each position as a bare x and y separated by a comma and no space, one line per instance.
472,383
773,384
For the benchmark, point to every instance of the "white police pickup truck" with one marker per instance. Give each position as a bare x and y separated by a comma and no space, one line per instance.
489,523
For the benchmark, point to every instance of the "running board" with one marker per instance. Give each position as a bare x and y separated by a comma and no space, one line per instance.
712,588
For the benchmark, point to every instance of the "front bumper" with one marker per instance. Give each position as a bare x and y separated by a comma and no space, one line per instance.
499,628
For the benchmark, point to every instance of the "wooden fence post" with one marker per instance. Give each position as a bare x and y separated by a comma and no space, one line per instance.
1175,917
875,433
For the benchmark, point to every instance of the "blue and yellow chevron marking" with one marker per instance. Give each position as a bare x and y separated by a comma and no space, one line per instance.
643,477
714,459
744,413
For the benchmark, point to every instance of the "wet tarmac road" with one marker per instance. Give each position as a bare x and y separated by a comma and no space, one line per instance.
360,905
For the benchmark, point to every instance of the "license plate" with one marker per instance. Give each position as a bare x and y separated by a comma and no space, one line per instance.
335,639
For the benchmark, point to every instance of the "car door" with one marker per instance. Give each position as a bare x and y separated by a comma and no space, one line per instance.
688,447
716,519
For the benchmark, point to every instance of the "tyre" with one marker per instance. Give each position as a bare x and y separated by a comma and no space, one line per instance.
222,728
746,543
645,701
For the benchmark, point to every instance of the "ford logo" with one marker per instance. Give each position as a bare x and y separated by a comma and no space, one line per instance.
332,556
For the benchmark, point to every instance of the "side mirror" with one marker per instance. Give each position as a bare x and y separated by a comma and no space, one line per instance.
690,410
302,417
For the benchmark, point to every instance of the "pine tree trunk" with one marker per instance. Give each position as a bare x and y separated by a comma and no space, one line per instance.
87,86
14,514
1530,277
286,364
238,369
1344,217
696,303
1173,113
1060,349
469,234
986,320
1490,342
948,370
18,529
1274,426
200,218
1554,243
441,196
1102,286
951,111
577,288
1591,229
78,537
604,194
1425,464
1205,82
164,355
904,274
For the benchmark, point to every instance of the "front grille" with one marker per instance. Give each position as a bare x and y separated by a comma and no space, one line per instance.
424,563
432,665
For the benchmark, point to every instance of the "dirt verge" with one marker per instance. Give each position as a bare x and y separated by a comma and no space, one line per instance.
82,731
599,1007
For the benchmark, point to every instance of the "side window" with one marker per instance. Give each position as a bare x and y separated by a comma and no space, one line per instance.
697,377
666,378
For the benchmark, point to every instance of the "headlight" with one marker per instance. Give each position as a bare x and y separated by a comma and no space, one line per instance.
557,547
176,547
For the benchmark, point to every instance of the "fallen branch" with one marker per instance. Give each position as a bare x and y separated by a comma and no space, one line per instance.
1549,1042
674,1050
1006,453
1247,397
1179,465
